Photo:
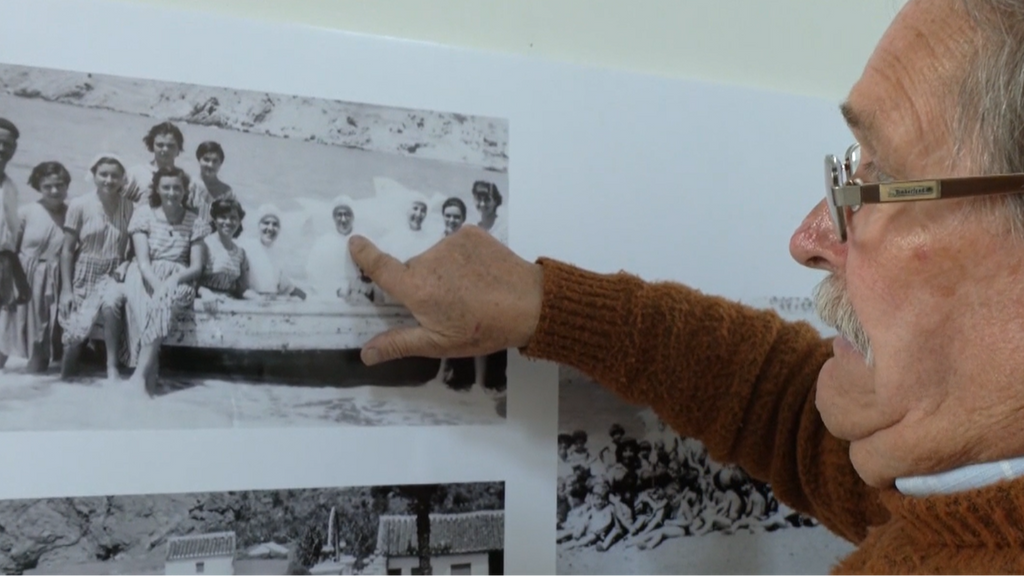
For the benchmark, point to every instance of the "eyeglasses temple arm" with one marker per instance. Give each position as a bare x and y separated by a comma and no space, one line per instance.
931,189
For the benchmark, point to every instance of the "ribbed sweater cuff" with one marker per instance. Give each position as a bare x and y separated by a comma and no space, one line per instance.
585,316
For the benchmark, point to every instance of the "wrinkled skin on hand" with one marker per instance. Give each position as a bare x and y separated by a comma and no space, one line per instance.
470,294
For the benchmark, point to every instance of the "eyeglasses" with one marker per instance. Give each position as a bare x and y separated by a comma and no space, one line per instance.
845,194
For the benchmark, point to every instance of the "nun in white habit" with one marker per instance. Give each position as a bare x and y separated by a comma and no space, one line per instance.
330,269
266,273
413,236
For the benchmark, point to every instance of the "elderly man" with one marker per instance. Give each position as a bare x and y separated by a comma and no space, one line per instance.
904,433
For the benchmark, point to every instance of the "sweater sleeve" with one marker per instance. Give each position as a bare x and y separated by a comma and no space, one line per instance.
739,379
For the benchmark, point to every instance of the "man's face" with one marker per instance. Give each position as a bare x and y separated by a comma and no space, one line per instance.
938,293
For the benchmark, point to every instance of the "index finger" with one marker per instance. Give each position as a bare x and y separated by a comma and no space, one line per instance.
382,268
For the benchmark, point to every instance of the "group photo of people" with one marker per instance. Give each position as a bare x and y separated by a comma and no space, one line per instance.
640,491
628,484
152,239
115,237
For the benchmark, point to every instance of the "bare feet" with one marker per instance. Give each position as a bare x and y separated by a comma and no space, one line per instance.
69,364
152,388
148,385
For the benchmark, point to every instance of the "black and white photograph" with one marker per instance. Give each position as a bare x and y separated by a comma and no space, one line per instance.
404,529
634,497
180,254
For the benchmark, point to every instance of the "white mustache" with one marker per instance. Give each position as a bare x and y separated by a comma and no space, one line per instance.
832,304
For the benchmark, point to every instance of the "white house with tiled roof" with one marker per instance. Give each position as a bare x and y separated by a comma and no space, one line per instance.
467,543
212,553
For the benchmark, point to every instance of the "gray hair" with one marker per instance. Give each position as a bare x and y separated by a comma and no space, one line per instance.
989,116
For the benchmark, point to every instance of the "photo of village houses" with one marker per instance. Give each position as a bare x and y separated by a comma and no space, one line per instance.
397,529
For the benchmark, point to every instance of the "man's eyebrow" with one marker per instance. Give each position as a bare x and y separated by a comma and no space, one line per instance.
853,119
862,125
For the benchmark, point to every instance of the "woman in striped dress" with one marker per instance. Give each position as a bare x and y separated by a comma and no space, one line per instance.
226,267
160,281
31,330
95,246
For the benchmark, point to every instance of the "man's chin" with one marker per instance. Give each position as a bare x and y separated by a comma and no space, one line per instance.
833,401
824,400
871,466
845,421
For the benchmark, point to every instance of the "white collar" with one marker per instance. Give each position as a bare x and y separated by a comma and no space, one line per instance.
960,479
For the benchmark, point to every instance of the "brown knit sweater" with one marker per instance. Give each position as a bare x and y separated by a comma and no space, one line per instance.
742,381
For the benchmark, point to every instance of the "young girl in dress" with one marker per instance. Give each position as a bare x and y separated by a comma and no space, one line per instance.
160,281
31,330
225,269
96,244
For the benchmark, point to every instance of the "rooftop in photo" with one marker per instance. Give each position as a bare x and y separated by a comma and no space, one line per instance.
201,546
463,533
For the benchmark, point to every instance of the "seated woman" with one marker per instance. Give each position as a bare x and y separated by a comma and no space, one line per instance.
263,254
225,268
160,281
95,249
31,330
330,269
486,372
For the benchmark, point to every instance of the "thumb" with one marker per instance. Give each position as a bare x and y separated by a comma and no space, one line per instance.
398,343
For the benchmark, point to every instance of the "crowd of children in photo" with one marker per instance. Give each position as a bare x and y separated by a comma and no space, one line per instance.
150,241
638,493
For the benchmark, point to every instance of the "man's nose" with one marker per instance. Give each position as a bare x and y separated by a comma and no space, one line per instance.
815,243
